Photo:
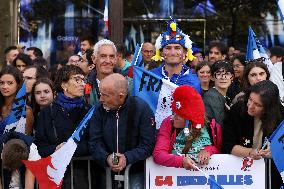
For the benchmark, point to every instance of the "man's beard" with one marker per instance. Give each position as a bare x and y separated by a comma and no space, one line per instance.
106,108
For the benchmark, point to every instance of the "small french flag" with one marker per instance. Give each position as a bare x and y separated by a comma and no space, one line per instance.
106,28
49,171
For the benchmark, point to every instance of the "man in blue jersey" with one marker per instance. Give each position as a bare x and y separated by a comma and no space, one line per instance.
173,47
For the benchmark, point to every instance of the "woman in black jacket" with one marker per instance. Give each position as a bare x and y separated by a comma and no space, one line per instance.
56,123
252,119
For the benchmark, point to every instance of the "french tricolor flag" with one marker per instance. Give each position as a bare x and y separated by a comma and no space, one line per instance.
49,171
106,28
157,92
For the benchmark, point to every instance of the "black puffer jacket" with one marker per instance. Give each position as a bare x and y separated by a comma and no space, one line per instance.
54,126
136,131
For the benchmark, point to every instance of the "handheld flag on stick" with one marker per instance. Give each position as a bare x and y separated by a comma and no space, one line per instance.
137,57
157,92
136,61
17,117
256,51
277,148
106,28
50,171
212,182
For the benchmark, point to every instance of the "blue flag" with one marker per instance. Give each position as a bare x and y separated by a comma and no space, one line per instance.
17,117
205,9
214,184
280,4
256,51
277,148
137,57
157,92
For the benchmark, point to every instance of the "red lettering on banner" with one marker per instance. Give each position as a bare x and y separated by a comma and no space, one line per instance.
160,181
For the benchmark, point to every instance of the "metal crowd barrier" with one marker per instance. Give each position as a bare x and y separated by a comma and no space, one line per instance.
268,173
125,178
87,158
117,177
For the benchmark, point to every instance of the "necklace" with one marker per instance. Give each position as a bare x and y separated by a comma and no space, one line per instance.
167,78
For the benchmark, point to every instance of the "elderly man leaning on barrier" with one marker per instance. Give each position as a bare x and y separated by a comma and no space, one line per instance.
122,130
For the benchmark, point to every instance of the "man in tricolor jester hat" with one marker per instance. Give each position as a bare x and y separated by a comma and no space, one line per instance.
173,47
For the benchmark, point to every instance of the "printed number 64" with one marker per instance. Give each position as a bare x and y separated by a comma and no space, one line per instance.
160,181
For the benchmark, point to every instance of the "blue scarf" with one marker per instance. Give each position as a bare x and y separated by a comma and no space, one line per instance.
69,103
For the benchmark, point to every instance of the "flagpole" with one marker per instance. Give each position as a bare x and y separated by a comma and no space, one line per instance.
136,59
206,175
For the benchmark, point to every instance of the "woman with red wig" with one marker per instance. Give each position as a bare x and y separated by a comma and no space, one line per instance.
183,139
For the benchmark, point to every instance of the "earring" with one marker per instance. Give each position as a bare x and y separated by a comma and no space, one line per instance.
65,90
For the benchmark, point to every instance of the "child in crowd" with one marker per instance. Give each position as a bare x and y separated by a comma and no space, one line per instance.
215,99
17,147
42,94
183,139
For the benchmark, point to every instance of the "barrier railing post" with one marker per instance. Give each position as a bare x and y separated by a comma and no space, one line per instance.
269,173
268,184
124,178
89,174
72,175
266,173
2,177
86,158
108,178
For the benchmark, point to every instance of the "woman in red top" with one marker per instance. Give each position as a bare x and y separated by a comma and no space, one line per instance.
183,140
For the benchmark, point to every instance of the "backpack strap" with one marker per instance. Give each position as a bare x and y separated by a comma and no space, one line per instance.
216,133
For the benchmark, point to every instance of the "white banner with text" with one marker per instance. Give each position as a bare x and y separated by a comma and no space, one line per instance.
229,171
